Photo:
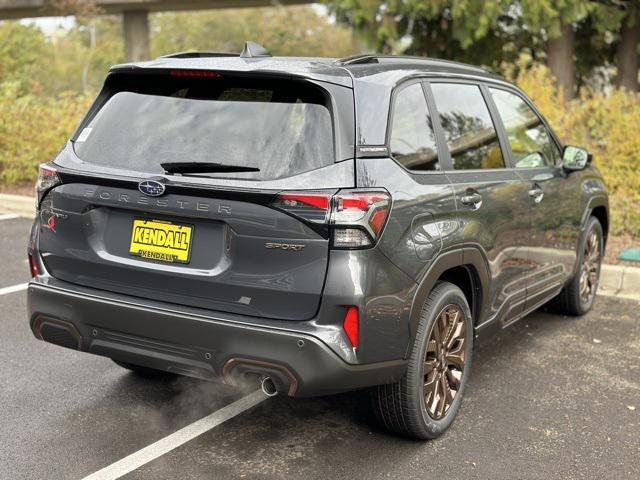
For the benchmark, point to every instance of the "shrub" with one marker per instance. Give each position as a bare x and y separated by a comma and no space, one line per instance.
32,129
608,124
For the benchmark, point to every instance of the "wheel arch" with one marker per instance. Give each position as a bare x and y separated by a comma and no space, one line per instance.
467,269
602,214
598,207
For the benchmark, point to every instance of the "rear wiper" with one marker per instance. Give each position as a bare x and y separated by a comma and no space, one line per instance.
204,167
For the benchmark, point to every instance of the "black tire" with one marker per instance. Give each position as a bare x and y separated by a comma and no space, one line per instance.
145,372
570,301
401,407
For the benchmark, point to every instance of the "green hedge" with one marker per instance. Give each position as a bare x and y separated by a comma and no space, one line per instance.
33,128
608,124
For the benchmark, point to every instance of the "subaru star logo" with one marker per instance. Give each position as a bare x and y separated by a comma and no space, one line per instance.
151,188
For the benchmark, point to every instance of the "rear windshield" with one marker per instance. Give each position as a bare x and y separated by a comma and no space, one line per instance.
280,127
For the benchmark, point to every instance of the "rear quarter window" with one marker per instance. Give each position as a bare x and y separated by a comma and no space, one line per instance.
412,140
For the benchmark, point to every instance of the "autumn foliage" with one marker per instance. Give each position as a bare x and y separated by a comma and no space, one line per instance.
42,100
606,123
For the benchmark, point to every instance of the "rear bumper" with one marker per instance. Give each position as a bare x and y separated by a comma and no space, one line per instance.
163,337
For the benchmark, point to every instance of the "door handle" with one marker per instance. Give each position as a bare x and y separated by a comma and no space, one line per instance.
471,199
536,193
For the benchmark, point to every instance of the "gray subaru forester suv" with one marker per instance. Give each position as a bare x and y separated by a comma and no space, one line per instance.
324,225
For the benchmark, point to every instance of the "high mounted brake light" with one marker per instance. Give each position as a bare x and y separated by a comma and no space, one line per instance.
356,217
194,73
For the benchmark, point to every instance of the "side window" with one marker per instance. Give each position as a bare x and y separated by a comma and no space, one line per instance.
531,144
468,128
413,142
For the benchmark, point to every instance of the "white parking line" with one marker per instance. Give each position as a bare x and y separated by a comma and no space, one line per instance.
8,216
13,288
182,436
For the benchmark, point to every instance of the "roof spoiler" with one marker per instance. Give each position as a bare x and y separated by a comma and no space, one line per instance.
250,50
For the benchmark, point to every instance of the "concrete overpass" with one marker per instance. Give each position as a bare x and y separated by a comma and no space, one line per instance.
134,14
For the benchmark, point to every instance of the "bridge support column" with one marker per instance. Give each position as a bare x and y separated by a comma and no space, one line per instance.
136,35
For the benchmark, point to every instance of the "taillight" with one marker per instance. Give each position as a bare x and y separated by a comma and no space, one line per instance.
33,266
356,218
47,179
311,206
351,325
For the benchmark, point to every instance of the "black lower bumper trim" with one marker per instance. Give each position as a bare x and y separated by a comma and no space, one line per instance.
57,331
198,346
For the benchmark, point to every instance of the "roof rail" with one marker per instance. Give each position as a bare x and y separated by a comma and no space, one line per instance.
380,58
199,54
360,58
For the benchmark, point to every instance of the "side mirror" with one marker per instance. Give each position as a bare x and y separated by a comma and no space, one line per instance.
575,158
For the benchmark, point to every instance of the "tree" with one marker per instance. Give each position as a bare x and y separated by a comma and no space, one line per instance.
560,58
78,59
556,21
82,55
627,52
22,48
442,28
490,33
572,36
298,31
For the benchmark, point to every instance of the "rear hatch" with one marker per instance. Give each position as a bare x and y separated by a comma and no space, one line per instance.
172,190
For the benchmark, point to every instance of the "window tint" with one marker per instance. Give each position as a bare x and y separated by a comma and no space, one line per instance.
413,142
471,136
280,127
531,144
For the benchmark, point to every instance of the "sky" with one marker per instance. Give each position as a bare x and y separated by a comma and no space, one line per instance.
50,24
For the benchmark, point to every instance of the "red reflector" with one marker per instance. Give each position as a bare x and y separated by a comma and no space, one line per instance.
351,325
33,266
377,220
315,200
194,73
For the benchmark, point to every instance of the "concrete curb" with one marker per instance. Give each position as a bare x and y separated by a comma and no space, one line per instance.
615,280
620,281
21,205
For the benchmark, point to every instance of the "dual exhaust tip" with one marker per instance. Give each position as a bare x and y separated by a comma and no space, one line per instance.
268,386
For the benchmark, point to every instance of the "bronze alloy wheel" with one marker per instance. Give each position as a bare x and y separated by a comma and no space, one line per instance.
590,267
444,361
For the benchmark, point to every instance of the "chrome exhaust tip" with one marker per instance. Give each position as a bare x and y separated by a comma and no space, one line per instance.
268,387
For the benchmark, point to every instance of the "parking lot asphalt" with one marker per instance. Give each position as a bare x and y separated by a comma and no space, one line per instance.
14,267
550,397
